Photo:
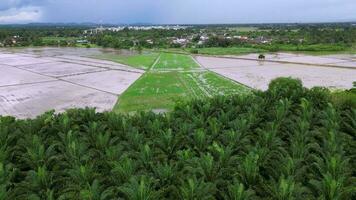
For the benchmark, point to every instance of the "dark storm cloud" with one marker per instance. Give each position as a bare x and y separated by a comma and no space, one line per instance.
16,4
187,11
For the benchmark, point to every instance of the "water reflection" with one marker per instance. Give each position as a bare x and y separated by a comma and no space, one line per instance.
72,51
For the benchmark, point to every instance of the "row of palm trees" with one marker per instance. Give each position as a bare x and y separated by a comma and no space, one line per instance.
285,143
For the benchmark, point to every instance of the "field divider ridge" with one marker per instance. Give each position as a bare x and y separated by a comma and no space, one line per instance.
32,83
281,62
59,79
155,62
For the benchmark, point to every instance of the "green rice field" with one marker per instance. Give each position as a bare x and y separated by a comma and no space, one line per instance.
228,50
171,61
161,90
169,78
143,60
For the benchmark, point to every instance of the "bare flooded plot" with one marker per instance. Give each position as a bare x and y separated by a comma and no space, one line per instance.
95,63
22,60
14,76
6,55
216,63
92,60
115,82
334,60
58,69
351,64
31,100
32,85
63,51
311,60
270,56
258,76
347,57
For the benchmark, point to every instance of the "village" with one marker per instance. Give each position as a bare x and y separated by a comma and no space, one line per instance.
188,40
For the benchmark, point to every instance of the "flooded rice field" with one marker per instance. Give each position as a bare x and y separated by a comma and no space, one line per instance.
35,83
35,80
70,51
332,60
334,73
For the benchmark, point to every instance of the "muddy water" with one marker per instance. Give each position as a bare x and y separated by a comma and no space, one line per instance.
258,76
64,51
30,85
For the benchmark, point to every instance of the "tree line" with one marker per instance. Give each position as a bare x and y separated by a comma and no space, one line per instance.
294,38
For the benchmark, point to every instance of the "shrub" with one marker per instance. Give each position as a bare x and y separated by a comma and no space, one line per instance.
344,99
194,51
280,88
319,96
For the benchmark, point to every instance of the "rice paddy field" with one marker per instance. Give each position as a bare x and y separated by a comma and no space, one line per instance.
148,80
142,60
173,61
330,72
173,78
228,50
169,78
33,84
160,91
177,77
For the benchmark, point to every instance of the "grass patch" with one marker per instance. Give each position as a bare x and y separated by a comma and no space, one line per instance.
342,98
219,85
86,46
156,90
318,49
55,39
209,84
228,50
311,49
143,60
175,61
244,29
153,91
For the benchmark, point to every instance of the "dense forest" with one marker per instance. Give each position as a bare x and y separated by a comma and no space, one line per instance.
33,35
286,143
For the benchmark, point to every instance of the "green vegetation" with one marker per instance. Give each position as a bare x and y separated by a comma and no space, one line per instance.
306,47
142,60
227,50
243,29
317,49
152,91
208,84
342,98
55,39
286,143
87,46
161,90
175,61
311,38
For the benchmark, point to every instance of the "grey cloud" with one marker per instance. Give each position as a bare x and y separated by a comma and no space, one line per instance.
189,11
15,4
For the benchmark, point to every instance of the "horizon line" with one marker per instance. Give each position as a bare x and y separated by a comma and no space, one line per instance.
181,24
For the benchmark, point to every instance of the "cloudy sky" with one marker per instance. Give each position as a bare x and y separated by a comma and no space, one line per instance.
176,11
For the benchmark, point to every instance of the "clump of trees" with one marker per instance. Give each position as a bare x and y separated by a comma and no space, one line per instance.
154,38
32,35
286,143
